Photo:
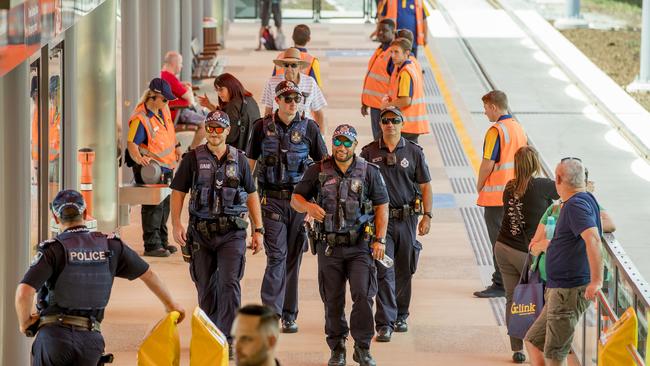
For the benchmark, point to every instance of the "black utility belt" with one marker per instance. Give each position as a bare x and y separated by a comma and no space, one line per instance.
79,322
220,225
349,239
402,213
284,194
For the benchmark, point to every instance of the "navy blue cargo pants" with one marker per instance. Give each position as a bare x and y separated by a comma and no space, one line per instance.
216,269
63,345
355,264
284,242
394,295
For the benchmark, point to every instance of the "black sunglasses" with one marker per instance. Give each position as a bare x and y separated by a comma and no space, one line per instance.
289,99
164,100
293,66
394,120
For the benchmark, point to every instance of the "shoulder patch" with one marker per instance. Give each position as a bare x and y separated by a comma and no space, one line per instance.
46,243
36,259
113,235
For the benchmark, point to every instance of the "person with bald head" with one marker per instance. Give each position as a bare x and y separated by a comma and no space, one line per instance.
190,112
574,267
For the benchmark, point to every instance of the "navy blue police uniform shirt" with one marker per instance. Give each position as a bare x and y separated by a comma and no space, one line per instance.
317,147
187,169
123,263
567,265
376,191
409,170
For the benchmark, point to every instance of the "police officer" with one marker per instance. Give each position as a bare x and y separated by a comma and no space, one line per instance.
222,193
74,274
406,173
346,192
283,144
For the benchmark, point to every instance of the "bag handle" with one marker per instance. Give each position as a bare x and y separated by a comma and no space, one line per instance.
524,277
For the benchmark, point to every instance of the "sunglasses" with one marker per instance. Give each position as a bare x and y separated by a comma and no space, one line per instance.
213,129
346,143
290,99
293,66
164,100
388,120
570,158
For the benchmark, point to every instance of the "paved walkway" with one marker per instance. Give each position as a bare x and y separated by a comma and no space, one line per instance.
447,326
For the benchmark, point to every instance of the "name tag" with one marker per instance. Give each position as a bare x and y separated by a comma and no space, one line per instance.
92,256
204,166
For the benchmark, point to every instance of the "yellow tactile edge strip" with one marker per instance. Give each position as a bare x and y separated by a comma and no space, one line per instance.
463,136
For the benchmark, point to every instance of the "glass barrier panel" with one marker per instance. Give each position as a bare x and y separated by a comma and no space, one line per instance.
246,9
342,8
591,333
55,124
641,314
34,149
625,295
609,278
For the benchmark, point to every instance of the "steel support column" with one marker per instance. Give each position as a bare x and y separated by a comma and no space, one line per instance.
186,39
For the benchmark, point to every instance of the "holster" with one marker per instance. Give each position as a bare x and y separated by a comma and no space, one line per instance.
314,236
239,222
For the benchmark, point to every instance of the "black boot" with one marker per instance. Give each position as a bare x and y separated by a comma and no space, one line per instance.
338,355
363,357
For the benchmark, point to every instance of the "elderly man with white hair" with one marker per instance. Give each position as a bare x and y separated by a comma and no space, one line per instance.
573,265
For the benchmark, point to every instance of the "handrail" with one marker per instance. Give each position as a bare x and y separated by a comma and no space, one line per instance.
600,296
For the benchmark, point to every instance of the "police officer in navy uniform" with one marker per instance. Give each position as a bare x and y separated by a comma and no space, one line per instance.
283,145
342,194
74,274
222,194
406,173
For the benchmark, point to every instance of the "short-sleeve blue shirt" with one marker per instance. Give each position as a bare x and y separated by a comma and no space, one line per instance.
567,265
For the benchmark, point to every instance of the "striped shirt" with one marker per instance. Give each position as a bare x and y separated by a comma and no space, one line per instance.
315,100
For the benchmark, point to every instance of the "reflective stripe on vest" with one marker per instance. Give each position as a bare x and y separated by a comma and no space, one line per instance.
161,138
511,138
377,80
415,114
391,13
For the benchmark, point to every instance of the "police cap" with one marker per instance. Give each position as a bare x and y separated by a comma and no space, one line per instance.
217,118
68,198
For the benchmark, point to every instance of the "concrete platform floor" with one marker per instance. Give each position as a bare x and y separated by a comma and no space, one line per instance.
448,326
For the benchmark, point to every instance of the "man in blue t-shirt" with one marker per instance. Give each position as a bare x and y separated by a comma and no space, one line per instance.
573,266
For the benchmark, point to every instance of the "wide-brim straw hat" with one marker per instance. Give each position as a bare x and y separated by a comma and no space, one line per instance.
291,55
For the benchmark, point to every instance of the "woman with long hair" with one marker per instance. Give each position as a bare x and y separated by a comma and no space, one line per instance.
239,105
525,200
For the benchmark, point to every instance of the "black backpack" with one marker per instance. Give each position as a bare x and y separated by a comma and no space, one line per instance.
267,40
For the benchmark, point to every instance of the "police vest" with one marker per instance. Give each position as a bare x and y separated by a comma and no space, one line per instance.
86,280
377,80
415,114
344,198
511,138
216,190
391,13
285,154
161,138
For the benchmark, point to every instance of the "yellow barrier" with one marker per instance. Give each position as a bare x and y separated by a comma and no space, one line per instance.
613,344
161,347
209,345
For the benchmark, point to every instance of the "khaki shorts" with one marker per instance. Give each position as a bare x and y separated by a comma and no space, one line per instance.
562,309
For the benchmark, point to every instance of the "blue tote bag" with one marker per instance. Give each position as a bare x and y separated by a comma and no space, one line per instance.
527,302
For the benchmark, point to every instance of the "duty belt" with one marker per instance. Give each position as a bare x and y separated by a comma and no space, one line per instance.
74,321
273,216
401,213
278,195
219,226
342,240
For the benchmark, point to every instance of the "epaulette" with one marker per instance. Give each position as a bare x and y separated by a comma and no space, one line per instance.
373,164
113,235
415,143
368,145
44,244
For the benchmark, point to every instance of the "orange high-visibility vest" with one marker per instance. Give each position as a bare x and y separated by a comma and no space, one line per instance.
377,80
511,138
391,13
415,114
161,139
303,56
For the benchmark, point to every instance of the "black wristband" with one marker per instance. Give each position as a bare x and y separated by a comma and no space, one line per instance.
428,214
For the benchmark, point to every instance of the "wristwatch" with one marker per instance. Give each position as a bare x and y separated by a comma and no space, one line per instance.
428,214
260,230
381,240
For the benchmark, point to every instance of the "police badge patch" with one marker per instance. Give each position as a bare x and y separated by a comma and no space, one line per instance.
355,186
230,171
404,163
296,137
36,259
